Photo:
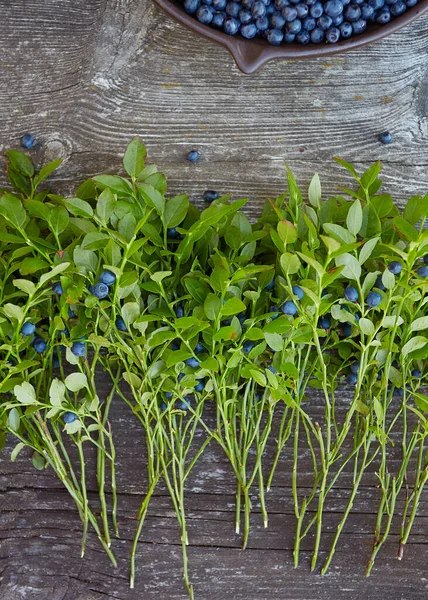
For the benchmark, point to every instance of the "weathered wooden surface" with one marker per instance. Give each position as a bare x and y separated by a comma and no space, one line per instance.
87,75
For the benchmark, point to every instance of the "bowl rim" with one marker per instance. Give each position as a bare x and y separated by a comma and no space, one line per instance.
250,55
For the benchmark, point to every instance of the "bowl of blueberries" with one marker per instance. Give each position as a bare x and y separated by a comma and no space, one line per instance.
256,31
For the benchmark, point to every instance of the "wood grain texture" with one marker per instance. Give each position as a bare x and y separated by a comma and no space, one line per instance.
87,75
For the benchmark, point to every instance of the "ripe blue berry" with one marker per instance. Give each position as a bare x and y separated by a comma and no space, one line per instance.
69,417
258,9
324,22
395,267
359,26
179,310
351,294
294,27
79,349
262,23
247,346
192,362
373,299
289,308
210,195
40,345
272,369
271,284
28,329
303,37
316,10
163,406
422,271
199,348
274,309
71,314
297,291
355,367
191,6
205,14
200,385
302,10
345,30
317,36
345,329
120,324
57,288
277,21
100,290
332,8
107,277
193,155
378,283
309,24
351,379
27,140
352,12
289,13
63,332
332,35
218,19
248,31
232,9
275,37
416,373
385,137
172,233
324,323
183,404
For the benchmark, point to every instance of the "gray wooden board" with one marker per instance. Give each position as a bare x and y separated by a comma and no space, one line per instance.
87,75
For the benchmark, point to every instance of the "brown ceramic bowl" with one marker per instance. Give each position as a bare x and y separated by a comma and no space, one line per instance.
252,54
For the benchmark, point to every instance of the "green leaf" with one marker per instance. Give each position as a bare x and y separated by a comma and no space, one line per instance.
133,160
219,279
25,286
225,333
94,241
347,166
419,324
233,307
130,312
331,244
312,262
13,211
290,263
56,392
255,333
132,379
13,312
367,250
105,206
25,393
31,265
17,449
85,258
415,209
405,228
118,185
287,232
46,171
78,207
152,197
210,364
352,268
160,276
76,382
366,326
354,219
54,272
275,341
413,344
73,427
127,282
212,306
39,462
126,227
339,233
388,279
370,176
20,162
177,356
392,321
259,377
176,211
314,192
14,419
38,209
197,288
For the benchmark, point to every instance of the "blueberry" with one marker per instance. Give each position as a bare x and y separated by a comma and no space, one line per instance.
191,6
352,13
180,377
274,309
309,24
395,267
376,4
385,137
232,9
303,37
422,271
351,294
168,395
247,346
345,329
324,22
120,324
262,23
355,367
416,373
373,299
79,349
272,369
275,37
316,10
332,35
217,5
71,314
218,19
279,4
28,329
62,332
245,16
367,11
359,26
210,195
172,233
411,3
40,345
248,31
27,140
289,13
378,283
383,17
317,36
324,323
163,406
199,348
183,404
351,379
336,21
258,10
332,8
179,310
297,291
69,417
398,391
345,30
294,27
289,38
289,308
302,10
247,3
100,290
277,21
205,14
192,362
57,288
200,385
55,361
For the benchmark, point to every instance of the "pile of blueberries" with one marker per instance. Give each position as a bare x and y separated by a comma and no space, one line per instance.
296,21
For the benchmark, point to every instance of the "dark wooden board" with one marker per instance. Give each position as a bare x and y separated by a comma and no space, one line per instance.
87,75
